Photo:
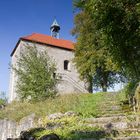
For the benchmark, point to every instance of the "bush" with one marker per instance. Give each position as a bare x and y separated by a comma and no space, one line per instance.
35,71
2,102
131,91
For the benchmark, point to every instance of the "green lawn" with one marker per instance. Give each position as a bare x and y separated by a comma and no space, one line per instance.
86,105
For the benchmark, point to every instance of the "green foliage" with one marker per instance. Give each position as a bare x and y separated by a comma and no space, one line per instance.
113,26
2,102
72,128
87,105
129,89
35,70
132,92
118,23
93,60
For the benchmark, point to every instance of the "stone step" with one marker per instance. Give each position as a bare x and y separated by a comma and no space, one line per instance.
105,119
134,124
114,107
96,139
110,112
111,101
91,138
114,122
111,115
110,126
121,127
130,132
133,130
128,138
110,107
119,138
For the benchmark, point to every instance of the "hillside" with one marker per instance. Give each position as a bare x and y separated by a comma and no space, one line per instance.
87,105
80,116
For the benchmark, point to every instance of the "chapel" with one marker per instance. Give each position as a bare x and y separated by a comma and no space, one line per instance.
62,51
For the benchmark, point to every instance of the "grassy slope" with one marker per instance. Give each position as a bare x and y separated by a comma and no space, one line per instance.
86,104
73,128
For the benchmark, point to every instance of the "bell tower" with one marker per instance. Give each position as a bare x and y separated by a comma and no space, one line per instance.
55,28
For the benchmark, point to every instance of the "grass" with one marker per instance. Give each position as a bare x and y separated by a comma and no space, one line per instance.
70,128
2,102
87,105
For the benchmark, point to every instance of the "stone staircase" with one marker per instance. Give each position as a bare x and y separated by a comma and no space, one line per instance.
113,123
111,106
76,84
116,123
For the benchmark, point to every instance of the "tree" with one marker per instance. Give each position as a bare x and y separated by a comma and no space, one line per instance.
35,70
119,22
92,58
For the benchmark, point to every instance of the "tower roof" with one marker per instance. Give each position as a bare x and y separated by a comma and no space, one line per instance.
55,29
55,24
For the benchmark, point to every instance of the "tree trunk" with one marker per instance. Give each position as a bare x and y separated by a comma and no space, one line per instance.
90,88
104,88
90,85
104,82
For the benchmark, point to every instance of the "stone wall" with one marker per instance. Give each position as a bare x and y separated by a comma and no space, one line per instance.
119,126
12,129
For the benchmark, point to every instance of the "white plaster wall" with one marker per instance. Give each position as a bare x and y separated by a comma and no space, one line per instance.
13,77
71,83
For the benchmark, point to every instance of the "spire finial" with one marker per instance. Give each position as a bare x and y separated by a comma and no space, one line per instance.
55,29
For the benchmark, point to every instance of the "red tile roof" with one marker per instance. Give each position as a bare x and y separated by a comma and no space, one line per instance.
48,40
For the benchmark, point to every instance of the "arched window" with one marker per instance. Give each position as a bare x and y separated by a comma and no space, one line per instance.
54,75
66,65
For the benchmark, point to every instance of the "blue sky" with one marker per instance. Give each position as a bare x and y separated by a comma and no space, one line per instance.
22,17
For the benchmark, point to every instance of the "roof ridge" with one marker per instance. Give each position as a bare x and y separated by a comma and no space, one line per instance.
47,40
48,36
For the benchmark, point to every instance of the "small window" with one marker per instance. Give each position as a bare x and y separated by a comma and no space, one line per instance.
66,65
54,75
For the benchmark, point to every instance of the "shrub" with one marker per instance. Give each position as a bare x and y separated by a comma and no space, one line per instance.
35,70
131,91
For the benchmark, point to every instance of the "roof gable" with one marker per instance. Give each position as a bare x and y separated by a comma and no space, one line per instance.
48,40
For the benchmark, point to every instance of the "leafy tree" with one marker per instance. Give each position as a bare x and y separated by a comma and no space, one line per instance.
119,22
92,57
35,71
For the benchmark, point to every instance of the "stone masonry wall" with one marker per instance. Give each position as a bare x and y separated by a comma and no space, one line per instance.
12,129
